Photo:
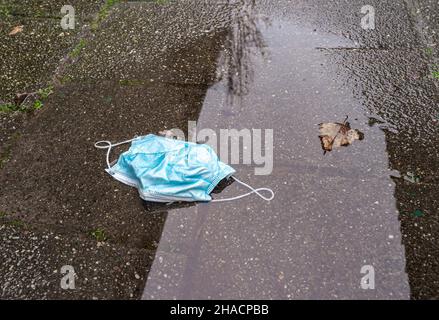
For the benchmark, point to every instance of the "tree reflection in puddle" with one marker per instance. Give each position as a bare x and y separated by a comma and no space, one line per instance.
244,42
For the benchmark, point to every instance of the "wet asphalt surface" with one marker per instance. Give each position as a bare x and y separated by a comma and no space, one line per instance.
284,65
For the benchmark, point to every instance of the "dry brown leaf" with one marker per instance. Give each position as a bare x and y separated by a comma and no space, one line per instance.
20,98
16,30
335,135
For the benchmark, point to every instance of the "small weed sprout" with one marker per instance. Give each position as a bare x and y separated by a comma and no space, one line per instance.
99,235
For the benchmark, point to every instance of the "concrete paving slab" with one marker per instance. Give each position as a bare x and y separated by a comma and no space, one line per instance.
32,262
31,57
74,193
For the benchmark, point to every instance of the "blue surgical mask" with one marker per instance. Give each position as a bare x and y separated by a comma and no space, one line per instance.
168,170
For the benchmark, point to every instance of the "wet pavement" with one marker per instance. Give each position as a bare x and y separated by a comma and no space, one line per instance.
286,66
332,214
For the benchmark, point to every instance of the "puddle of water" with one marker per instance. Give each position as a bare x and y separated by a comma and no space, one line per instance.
332,214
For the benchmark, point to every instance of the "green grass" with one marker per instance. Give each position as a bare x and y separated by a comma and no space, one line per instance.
8,107
77,50
66,79
16,223
38,104
45,92
435,71
99,235
5,11
131,82
3,214
429,51
104,12
41,94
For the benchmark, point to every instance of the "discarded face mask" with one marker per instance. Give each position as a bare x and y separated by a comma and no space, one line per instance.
168,170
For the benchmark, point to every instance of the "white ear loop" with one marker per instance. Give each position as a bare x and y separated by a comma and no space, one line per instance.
108,145
253,190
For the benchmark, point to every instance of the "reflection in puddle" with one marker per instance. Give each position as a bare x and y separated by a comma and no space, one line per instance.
332,215
244,42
